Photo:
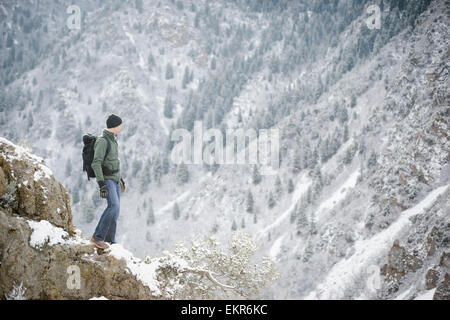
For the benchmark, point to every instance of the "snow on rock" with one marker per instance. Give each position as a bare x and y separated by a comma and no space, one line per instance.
49,253
404,295
44,232
427,295
39,195
144,272
21,153
98,298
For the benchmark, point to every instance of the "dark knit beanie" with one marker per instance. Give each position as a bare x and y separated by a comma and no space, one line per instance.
113,121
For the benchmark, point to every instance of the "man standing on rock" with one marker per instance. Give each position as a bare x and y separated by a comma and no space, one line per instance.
109,179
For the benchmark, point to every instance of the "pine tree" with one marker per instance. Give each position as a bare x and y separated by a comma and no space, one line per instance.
346,133
250,202
157,170
353,101
139,6
150,62
309,195
239,119
290,186
348,156
313,228
343,115
169,71
372,161
318,176
234,225
256,177
176,211
182,174
314,159
297,163
145,176
165,165
9,41
278,186
136,167
271,200
243,223
168,104
150,214
197,20
302,221
68,168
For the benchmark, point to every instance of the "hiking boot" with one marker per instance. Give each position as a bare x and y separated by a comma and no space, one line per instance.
99,244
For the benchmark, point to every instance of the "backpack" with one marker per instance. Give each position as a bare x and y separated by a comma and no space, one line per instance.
88,153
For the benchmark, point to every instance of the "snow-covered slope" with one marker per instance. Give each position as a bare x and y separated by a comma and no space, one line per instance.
363,116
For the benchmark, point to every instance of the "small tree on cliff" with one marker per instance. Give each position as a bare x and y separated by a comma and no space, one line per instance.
206,271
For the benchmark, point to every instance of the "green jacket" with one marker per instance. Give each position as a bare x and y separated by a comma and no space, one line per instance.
112,160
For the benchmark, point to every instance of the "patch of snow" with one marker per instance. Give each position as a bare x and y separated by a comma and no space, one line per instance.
427,295
37,175
300,189
403,295
275,249
170,204
99,298
144,272
130,37
17,293
339,194
44,232
22,153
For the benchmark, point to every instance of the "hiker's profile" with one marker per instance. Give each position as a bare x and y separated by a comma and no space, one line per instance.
101,160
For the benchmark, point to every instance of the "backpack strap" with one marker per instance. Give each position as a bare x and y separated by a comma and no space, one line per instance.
108,147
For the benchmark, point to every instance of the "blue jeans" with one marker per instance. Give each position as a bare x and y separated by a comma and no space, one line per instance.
106,228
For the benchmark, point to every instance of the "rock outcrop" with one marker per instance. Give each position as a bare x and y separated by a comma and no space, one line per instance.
40,248
400,262
37,194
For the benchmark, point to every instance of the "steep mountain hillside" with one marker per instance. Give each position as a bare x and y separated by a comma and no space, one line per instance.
359,207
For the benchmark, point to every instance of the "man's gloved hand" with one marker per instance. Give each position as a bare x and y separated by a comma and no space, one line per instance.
103,189
122,185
